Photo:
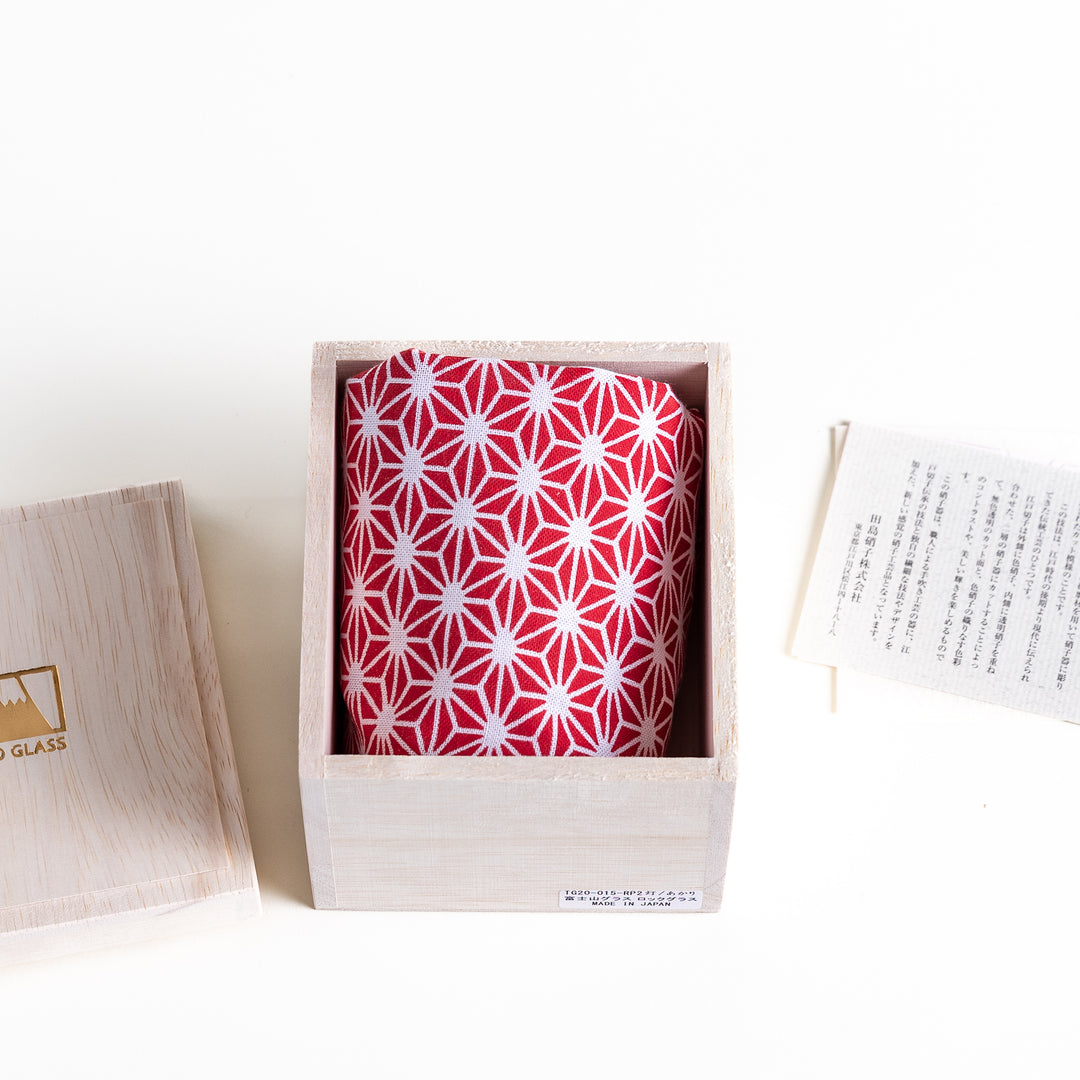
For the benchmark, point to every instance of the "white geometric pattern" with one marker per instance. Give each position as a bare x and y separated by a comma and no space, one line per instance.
517,557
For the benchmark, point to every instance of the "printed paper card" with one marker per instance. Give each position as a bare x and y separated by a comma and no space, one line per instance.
952,567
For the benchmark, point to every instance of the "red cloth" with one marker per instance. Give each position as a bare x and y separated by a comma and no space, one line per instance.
517,557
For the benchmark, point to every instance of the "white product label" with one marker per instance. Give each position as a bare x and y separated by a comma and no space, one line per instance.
951,567
630,899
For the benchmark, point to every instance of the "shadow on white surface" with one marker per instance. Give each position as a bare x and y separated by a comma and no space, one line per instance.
252,564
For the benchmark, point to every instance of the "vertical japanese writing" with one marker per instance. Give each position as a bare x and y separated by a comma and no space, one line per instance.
845,577
954,567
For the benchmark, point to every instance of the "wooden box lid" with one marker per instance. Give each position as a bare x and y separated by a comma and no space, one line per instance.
118,788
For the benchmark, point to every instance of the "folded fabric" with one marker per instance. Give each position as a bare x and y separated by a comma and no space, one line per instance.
517,557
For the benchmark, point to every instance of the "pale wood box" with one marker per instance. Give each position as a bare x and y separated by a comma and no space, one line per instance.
520,834
118,789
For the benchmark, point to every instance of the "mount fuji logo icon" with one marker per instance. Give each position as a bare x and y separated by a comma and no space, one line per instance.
31,705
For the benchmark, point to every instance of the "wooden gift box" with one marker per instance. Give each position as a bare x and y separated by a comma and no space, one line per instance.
517,833
119,795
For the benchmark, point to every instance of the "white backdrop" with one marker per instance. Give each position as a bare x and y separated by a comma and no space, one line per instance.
875,204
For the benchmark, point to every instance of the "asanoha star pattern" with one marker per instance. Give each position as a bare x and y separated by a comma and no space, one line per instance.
517,557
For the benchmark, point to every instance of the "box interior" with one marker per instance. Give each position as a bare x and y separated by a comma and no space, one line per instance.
692,727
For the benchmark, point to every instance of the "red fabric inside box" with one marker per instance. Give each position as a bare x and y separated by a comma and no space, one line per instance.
517,557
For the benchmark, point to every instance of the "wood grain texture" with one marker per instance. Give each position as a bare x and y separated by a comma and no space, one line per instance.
129,797
431,833
176,889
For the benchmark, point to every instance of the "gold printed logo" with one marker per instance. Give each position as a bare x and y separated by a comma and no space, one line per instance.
32,712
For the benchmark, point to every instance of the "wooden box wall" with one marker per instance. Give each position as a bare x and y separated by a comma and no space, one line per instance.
469,833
